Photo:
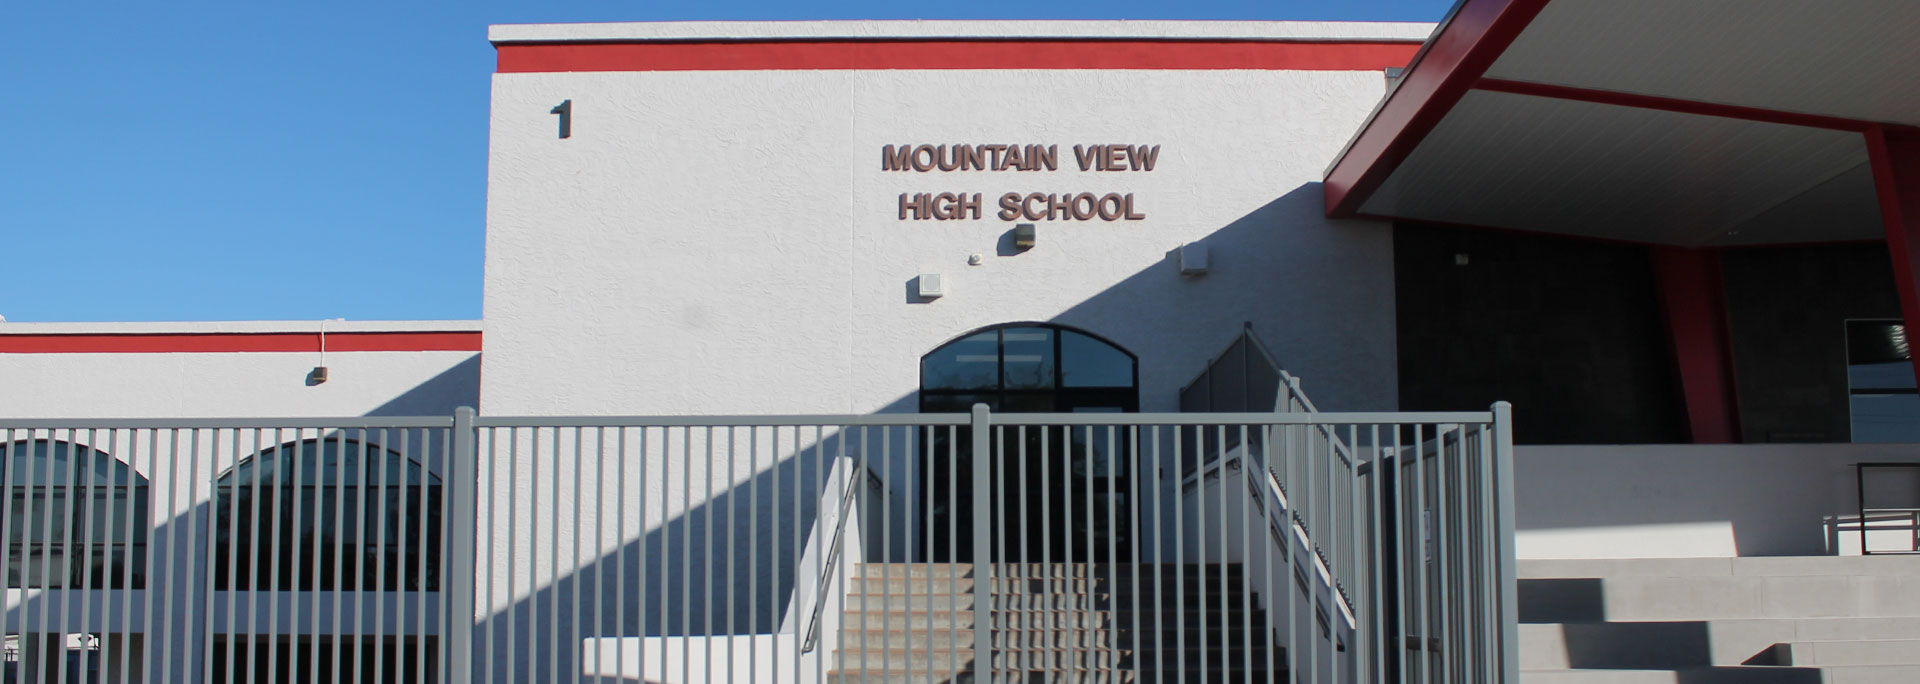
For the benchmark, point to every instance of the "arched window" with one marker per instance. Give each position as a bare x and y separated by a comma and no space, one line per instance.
1029,367
75,517
328,514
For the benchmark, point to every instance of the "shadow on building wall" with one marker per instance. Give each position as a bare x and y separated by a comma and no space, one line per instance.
440,395
1302,281
726,564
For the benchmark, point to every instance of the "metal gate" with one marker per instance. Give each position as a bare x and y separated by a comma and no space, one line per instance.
1289,546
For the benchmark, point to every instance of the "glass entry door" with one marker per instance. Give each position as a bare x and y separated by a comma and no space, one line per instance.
1060,494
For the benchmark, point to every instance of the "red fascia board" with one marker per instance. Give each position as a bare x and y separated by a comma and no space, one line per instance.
955,54
1610,97
1454,60
238,342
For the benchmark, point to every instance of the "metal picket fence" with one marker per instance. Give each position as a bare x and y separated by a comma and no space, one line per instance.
1294,546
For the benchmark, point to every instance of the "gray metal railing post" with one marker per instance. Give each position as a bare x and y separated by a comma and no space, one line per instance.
462,499
982,540
1509,563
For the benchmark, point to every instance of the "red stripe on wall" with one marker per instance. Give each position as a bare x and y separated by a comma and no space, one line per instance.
955,54
238,342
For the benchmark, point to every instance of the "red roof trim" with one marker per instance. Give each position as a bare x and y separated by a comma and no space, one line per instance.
956,54
1611,97
1455,58
238,342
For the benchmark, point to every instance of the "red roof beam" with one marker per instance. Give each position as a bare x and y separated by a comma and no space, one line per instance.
1453,61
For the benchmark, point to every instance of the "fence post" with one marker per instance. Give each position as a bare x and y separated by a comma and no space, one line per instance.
1509,564
463,497
982,544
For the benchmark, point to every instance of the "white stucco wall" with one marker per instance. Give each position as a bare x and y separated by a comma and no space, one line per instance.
235,384
727,242
1693,500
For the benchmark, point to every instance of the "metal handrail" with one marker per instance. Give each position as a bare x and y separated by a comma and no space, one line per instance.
834,551
1294,393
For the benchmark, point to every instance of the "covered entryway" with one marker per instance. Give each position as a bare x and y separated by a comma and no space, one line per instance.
1689,129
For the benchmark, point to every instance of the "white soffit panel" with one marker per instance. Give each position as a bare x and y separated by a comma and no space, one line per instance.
1561,166
1853,59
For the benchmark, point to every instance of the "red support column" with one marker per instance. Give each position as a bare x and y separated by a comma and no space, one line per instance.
1692,297
1894,152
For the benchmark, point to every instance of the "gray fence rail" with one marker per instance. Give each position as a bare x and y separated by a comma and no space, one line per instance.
1293,546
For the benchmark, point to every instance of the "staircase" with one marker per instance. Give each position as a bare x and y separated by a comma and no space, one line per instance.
1838,620
1060,623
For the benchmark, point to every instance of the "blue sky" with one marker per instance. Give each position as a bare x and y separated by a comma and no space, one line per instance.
198,161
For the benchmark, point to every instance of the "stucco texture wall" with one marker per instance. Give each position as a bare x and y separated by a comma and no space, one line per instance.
727,242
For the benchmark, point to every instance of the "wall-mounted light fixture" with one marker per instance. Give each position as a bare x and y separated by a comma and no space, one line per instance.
1023,236
319,373
1193,259
930,286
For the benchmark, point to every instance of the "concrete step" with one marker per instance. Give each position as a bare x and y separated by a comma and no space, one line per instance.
1055,569
1840,629
958,638
1236,602
938,602
1623,645
1042,570
1723,642
879,616
1665,598
1775,566
940,619
1038,638
1703,675
1865,674
1058,677
1694,643
1152,657
1872,674
945,660
1147,584
1859,652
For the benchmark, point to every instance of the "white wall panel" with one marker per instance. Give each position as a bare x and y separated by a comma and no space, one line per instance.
726,242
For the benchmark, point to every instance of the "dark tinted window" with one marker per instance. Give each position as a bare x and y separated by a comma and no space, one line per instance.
1882,401
1028,368
66,499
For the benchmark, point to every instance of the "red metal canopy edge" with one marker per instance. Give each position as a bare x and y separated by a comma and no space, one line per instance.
1452,62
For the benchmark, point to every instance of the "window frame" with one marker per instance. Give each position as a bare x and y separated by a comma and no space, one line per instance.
1065,398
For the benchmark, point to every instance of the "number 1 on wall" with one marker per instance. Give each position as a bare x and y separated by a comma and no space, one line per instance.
565,110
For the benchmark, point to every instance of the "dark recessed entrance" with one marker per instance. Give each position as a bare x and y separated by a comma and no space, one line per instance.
1054,489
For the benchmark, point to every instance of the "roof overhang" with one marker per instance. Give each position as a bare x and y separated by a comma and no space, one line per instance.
1677,122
